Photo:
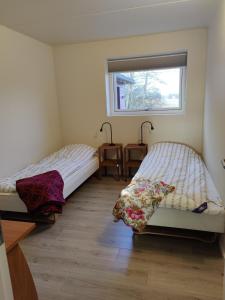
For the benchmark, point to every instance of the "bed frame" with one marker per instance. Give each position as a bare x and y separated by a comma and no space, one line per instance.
179,223
13,208
169,217
202,236
185,224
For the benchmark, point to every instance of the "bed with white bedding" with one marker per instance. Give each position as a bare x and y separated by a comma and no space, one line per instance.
179,166
75,163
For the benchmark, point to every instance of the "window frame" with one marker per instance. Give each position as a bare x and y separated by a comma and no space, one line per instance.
111,99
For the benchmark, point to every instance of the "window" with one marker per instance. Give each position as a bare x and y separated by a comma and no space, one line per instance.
147,85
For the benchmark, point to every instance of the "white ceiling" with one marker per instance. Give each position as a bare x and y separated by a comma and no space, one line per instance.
68,21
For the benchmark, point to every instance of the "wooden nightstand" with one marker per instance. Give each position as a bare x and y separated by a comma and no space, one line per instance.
133,162
111,156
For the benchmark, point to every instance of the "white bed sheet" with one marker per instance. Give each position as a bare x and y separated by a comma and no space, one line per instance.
179,165
66,161
12,201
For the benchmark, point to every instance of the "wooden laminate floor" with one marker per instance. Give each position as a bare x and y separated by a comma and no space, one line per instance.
87,256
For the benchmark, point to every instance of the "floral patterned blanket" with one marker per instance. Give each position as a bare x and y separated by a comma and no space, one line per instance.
139,200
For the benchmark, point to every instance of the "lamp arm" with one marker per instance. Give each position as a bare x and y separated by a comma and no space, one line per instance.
142,130
110,130
111,133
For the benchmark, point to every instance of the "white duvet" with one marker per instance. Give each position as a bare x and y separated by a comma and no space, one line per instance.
66,161
179,165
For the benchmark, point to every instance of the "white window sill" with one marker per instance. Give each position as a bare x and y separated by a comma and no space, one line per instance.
146,113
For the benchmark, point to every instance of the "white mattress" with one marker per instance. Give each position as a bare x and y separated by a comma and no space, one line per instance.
12,201
169,162
179,165
66,161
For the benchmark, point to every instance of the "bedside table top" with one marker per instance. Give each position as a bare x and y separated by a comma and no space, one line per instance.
135,146
108,146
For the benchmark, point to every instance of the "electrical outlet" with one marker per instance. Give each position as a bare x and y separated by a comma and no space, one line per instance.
223,163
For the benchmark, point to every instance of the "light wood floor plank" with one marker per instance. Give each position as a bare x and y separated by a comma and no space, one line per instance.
87,256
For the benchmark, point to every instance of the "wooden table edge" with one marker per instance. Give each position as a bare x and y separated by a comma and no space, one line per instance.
26,230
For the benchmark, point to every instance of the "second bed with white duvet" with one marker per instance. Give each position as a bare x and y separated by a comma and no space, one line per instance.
75,163
193,204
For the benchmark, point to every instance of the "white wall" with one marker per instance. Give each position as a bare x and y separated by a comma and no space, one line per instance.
214,121
29,119
214,116
80,74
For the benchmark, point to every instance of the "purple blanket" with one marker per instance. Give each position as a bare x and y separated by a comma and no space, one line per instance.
43,193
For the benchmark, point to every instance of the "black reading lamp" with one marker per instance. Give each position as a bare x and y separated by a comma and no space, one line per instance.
152,128
111,144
